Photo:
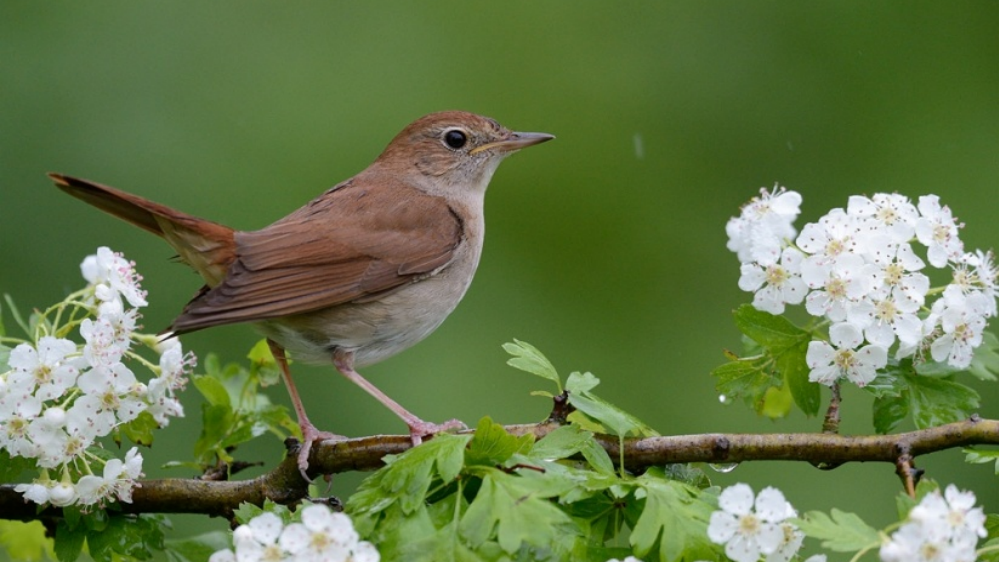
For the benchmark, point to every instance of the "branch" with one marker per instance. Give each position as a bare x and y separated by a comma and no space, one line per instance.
285,485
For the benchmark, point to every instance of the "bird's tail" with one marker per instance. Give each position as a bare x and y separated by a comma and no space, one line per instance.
206,246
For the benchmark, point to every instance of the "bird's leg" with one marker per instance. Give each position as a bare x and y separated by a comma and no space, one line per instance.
418,429
309,432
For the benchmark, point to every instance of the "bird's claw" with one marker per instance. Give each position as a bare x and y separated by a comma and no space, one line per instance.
421,429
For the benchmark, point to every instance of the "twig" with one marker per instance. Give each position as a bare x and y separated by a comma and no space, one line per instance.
285,485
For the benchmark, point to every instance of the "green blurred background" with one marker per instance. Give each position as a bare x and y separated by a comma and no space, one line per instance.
606,247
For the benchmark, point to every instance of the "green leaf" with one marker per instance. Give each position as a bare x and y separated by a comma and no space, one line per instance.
615,420
68,542
492,445
16,315
581,382
263,366
777,402
982,456
213,390
565,441
985,361
198,548
140,430
527,358
12,468
842,532
935,401
745,378
405,479
135,537
676,517
24,541
792,366
773,332
515,513
888,412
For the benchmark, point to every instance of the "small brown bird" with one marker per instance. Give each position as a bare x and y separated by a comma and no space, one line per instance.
362,272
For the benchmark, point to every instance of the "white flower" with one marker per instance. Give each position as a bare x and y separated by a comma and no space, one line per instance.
257,540
955,511
937,230
884,318
829,364
962,334
839,284
943,527
783,284
834,236
764,227
322,535
974,284
108,336
627,559
18,408
113,277
890,213
48,367
790,544
112,389
745,532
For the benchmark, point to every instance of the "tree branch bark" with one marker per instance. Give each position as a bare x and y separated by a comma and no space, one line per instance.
285,485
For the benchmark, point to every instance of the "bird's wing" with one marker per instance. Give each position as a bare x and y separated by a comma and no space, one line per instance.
349,244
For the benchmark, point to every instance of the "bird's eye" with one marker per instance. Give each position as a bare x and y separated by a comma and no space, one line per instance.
455,138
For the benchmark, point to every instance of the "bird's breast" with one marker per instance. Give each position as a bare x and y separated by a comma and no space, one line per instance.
379,328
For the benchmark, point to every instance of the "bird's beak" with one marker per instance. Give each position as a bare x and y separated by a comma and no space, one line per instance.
514,142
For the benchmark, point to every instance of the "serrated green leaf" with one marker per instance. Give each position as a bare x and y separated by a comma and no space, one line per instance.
68,542
777,402
888,412
213,390
581,382
12,468
773,332
198,548
676,517
140,430
934,402
985,361
527,358
746,379
513,513
617,421
406,478
792,366
562,443
982,456
492,445
842,532
24,541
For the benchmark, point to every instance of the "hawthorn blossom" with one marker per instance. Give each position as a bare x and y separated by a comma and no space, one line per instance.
746,527
781,282
764,227
937,230
942,527
828,364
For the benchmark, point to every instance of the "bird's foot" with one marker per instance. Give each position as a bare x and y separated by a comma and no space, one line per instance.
420,429
309,436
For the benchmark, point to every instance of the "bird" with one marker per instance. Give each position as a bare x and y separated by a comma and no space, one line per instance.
363,271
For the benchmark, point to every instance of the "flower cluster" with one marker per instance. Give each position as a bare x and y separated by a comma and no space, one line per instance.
752,530
58,398
944,527
321,536
857,269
